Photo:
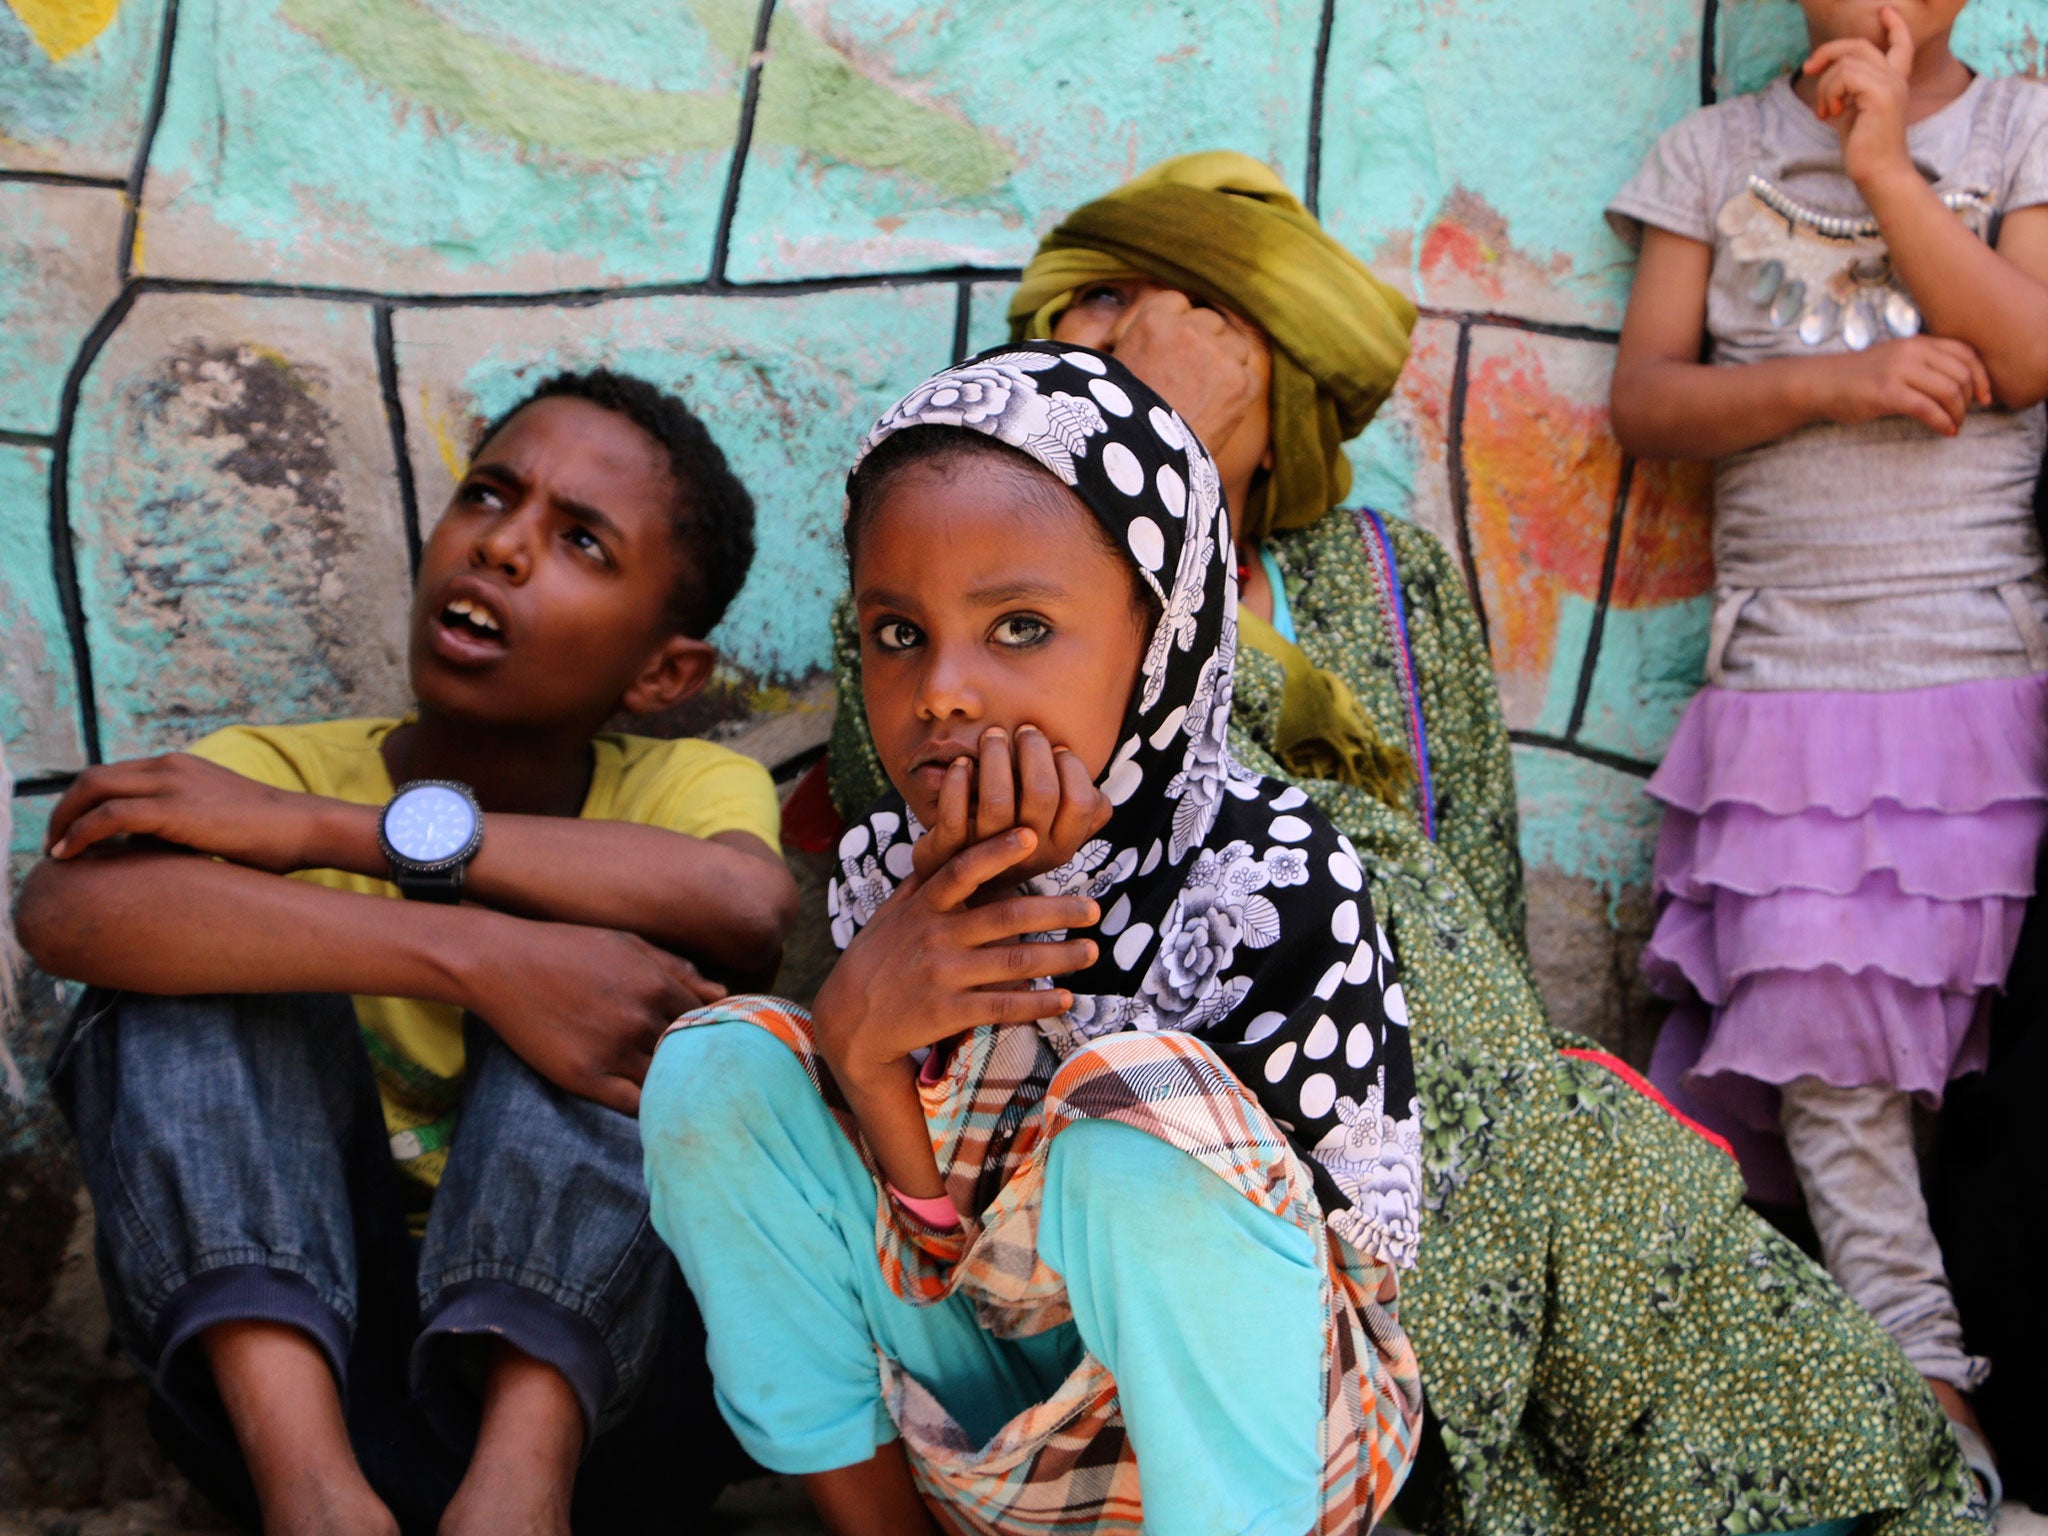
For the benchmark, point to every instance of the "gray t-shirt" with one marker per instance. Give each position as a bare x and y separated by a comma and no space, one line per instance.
1883,555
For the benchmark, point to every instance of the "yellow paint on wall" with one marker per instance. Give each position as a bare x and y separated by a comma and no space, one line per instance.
437,423
62,27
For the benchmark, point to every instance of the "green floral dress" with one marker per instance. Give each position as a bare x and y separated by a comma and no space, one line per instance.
1610,1342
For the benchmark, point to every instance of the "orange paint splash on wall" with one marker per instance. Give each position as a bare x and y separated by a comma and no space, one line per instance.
1541,471
1667,548
1448,245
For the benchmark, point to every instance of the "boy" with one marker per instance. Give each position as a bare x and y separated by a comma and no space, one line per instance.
246,1177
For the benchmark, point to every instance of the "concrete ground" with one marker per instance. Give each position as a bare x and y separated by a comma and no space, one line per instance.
771,1506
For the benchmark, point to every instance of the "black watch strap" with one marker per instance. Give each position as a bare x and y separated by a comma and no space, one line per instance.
444,888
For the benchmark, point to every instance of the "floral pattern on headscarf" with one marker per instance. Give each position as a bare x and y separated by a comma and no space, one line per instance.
1231,908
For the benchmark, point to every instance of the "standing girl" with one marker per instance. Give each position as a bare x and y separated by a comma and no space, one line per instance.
1854,801
1121,1254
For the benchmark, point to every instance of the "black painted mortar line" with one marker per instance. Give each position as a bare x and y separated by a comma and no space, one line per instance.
576,298
750,99
64,179
1312,177
131,215
42,784
63,555
1710,26
14,439
1499,320
1594,631
394,418
1615,760
963,318
1454,465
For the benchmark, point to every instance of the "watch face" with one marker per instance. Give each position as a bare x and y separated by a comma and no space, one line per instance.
429,824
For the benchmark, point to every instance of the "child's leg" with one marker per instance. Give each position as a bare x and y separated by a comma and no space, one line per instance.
543,1294
1853,1149
279,1394
772,1214
1209,1313
219,1137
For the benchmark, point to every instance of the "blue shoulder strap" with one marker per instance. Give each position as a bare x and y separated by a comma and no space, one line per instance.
1387,574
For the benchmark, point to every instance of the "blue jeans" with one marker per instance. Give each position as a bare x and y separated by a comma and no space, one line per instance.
239,1167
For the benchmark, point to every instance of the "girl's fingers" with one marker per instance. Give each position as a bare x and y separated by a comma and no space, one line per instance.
1015,916
1927,410
977,864
1898,41
1083,807
1829,54
1016,1007
956,795
1837,89
1038,781
1980,376
947,834
995,797
1947,362
1961,355
1948,378
1012,965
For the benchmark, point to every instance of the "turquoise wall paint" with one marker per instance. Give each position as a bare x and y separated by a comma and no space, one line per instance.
81,114
365,225
392,145
39,725
1461,152
781,376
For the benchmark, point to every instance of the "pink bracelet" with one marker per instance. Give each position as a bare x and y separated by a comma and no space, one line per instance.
935,1211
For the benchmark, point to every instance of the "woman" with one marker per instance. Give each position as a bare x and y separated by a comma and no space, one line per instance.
1609,1341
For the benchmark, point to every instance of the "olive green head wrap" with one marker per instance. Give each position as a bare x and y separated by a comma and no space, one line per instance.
1224,229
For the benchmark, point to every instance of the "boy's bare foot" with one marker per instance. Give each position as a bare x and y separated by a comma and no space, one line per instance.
527,1449
286,1411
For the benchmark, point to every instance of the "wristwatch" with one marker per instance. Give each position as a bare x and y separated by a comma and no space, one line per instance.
430,830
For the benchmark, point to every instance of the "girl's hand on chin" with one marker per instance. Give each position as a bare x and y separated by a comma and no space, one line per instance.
931,964
1026,783
1865,93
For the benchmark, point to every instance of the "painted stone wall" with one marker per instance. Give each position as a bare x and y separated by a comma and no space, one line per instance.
266,264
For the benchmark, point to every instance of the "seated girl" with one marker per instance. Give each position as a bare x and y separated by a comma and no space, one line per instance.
1611,1342
1120,1253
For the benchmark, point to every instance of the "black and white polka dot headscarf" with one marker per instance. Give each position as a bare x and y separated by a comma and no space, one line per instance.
1231,908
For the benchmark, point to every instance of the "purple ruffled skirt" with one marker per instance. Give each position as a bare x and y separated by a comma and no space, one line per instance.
1840,881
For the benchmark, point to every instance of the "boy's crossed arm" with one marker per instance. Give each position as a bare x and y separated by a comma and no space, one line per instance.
579,984
725,900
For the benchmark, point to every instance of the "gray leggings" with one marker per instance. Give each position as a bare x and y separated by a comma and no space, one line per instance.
1853,1151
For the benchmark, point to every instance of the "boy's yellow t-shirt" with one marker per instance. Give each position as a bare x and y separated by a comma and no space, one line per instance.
415,1047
